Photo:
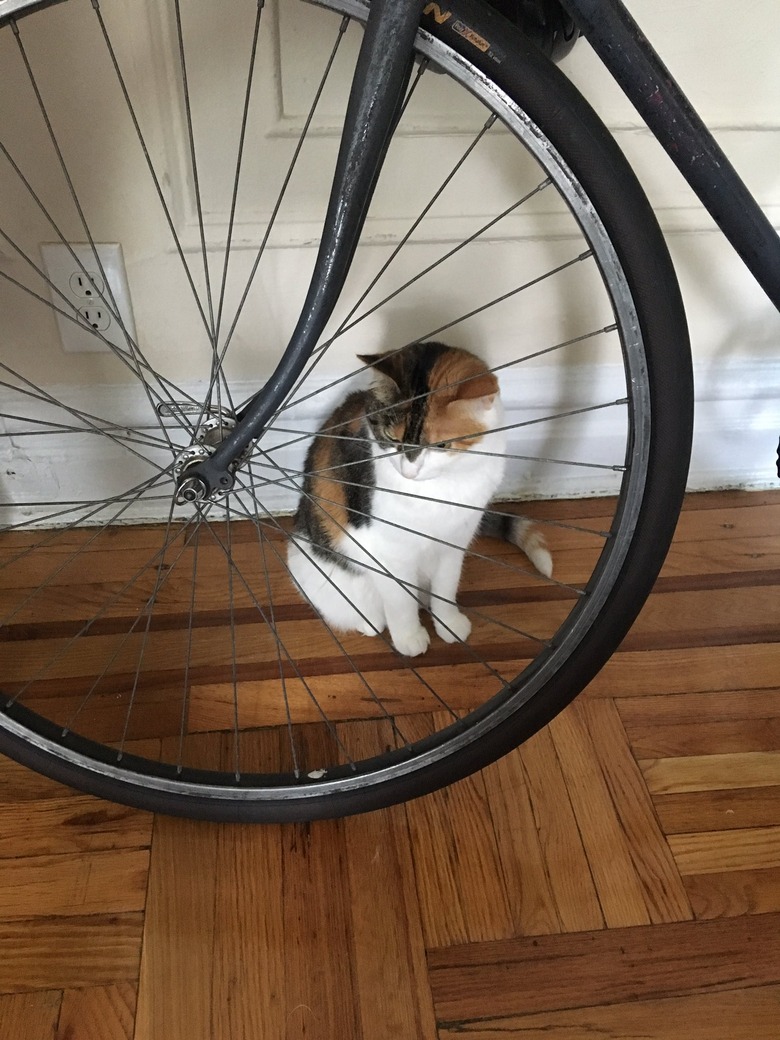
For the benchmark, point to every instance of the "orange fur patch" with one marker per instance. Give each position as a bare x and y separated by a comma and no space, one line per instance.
458,381
328,495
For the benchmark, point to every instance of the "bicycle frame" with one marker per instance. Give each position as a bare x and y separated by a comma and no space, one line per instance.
381,75
648,84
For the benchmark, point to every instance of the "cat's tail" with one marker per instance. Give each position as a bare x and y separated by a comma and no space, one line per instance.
520,532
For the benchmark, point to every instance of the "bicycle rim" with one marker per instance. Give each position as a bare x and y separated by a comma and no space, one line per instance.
181,670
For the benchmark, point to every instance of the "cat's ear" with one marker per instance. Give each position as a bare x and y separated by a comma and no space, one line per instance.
481,390
472,407
389,364
475,396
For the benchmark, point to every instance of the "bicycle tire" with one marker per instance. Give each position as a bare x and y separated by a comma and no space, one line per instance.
525,88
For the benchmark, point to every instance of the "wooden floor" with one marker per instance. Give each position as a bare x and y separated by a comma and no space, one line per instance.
617,877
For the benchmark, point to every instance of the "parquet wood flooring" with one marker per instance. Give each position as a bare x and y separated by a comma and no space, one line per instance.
618,876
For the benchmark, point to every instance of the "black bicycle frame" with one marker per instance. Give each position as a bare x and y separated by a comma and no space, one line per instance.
381,75
380,78
650,87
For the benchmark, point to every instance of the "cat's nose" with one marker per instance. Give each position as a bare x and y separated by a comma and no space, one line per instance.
410,468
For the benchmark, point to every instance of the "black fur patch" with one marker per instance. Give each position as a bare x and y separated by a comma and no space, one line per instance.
342,452
417,388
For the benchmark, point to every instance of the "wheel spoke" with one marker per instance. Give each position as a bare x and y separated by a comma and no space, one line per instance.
133,351
262,539
345,325
185,698
107,604
69,560
128,358
319,352
280,643
289,474
238,167
44,211
300,436
148,609
93,423
66,175
271,519
292,481
148,159
51,429
193,628
410,588
194,170
348,326
231,567
471,553
450,324
90,510
282,191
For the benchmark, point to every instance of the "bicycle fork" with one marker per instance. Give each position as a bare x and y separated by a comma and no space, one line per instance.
381,76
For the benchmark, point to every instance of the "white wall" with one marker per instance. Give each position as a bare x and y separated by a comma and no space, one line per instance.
724,55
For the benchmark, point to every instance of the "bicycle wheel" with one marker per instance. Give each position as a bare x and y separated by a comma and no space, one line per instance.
158,653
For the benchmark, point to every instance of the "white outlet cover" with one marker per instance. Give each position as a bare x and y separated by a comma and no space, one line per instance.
65,273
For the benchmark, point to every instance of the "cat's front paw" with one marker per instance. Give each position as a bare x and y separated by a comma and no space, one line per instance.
412,643
452,627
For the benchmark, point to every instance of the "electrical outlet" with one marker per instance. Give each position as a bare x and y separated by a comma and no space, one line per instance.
96,291
86,284
97,316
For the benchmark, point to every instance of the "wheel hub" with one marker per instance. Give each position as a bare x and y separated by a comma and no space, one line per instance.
212,431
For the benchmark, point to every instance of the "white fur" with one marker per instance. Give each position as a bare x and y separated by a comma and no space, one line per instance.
403,544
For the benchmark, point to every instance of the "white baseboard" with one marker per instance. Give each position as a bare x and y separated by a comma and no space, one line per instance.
737,425
735,442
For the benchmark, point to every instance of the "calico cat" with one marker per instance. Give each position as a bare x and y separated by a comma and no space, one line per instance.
379,527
